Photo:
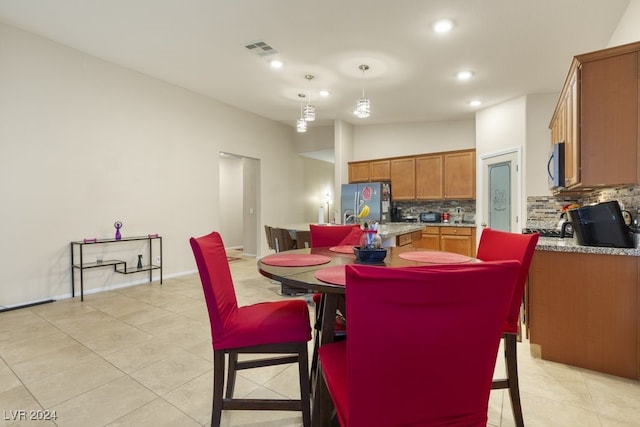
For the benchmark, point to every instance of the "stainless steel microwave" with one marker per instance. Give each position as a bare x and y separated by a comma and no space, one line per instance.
555,166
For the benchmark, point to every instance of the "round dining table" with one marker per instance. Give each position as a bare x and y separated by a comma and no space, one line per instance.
323,270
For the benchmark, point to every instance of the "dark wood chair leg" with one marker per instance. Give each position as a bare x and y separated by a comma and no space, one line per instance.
510,341
231,374
316,341
305,387
218,386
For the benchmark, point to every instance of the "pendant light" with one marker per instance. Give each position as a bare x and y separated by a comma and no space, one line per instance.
309,112
301,123
363,107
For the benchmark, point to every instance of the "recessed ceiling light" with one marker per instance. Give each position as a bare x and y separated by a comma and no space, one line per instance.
464,75
443,26
276,63
324,92
475,103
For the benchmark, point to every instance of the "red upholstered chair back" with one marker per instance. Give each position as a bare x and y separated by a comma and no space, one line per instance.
500,245
217,283
332,235
433,364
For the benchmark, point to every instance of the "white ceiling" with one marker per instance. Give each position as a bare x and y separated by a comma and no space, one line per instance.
513,47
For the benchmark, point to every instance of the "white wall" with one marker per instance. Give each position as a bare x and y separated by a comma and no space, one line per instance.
231,198
86,142
316,138
499,128
628,30
405,139
540,108
318,181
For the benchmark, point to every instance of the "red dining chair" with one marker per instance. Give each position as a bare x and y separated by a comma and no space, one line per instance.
334,235
431,366
328,236
280,327
500,245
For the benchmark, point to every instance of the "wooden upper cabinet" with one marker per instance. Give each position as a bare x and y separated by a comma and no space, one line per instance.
571,131
436,176
403,179
609,121
380,170
460,175
429,177
597,117
564,127
359,172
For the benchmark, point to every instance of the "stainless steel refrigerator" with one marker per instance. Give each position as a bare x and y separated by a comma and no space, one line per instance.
367,201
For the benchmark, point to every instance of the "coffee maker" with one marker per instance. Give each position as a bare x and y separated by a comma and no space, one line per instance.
396,213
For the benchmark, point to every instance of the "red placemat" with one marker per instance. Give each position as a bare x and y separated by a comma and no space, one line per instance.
334,275
295,260
435,257
344,249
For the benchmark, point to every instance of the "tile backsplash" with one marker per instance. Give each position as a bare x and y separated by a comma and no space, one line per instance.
544,211
414,207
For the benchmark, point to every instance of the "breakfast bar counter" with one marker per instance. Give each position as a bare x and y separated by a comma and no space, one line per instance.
582,306
569,245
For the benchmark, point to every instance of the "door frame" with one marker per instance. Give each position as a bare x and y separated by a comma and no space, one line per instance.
481,199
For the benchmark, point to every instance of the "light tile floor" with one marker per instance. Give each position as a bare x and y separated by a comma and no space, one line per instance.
141,356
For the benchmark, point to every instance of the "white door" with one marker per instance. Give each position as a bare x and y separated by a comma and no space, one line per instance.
501,191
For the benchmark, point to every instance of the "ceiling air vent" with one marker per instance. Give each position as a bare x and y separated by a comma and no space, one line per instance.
261,48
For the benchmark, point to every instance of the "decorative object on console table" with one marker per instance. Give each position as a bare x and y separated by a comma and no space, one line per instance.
139,261
118,226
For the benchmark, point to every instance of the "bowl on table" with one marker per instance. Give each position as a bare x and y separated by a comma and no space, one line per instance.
370,256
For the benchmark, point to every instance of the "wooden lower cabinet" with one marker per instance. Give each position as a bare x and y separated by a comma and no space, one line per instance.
460,240
409,238
582,310
430,238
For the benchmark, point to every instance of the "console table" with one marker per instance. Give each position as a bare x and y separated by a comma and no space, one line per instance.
119,266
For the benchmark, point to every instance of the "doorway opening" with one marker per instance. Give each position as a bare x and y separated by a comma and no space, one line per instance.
501,190
239,178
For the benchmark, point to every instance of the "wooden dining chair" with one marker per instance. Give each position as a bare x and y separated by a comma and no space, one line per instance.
334,235
282,239
327,236
267,232
275,328
303,239
431,366
500,245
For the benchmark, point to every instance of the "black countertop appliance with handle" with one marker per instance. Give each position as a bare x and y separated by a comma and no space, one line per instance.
430,217
601,224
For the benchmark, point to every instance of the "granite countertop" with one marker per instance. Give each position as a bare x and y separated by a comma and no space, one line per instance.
391,229
569,245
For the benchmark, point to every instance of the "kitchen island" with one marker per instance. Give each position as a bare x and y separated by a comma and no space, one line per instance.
400,233
582,306
391,233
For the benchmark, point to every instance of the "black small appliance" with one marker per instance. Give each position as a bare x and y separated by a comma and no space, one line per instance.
396,213
601,224
430,217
